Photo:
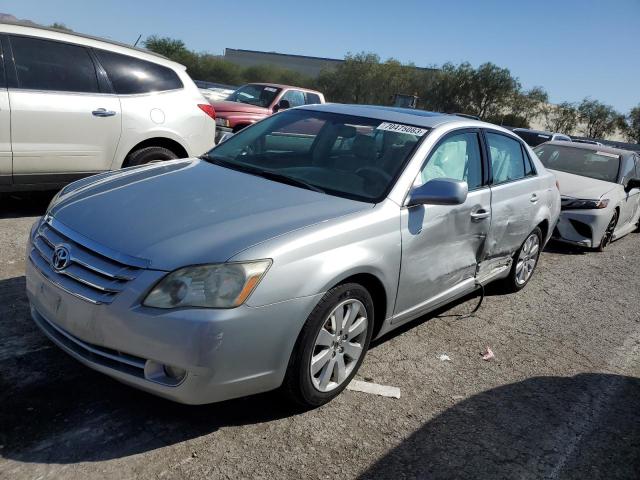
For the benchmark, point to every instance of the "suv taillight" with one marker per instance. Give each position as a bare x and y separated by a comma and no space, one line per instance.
208,109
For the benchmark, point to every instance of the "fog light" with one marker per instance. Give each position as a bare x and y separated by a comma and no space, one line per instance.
175,373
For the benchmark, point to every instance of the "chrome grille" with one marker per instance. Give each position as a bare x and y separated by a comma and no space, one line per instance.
89,275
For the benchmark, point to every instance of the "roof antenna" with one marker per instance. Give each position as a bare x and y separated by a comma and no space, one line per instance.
139,37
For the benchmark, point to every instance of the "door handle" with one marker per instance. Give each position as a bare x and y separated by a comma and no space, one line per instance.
534,198
103,112
480,214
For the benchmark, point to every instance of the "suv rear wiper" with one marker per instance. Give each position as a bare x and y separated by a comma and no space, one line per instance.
268,174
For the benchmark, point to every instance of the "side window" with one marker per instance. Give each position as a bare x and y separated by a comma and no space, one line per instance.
507,160
312,98
131,75
628,169
457,157
55,66
528,163
295,97
3,81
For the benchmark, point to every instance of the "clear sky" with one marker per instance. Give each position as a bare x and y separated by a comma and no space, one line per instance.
572,48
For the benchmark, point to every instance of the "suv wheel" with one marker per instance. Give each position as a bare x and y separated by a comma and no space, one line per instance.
525,262
331,346
148,155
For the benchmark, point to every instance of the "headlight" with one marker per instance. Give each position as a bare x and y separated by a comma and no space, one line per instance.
225,285
53,201
569,203
222,122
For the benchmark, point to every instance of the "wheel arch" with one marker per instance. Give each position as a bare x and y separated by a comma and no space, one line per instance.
164,142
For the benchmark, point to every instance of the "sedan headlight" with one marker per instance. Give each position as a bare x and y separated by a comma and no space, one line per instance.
225,285
569,203
222,122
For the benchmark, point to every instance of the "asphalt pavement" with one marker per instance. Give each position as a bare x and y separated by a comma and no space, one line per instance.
560,400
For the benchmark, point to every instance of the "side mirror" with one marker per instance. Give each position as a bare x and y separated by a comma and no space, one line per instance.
439,191
632,183
282,105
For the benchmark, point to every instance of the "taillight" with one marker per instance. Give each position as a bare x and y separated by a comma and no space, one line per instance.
208,109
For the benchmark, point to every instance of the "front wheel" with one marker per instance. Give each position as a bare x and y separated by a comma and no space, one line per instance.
331,346
608,233
525,262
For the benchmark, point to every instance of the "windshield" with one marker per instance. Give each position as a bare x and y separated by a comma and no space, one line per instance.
588,163
343,155
533,138
259,95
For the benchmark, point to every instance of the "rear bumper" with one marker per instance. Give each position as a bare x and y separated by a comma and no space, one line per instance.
226,353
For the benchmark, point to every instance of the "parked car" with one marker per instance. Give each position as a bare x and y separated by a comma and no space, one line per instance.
72,106
214,92
275,258
600,189
584,140
536,137
255,101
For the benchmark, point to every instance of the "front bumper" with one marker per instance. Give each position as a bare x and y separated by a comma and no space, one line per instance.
226,353
582,227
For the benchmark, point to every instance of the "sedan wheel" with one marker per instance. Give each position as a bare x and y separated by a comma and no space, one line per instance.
608,233
527,259
331,346
525,262
338,346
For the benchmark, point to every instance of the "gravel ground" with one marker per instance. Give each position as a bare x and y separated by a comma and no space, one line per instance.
561,399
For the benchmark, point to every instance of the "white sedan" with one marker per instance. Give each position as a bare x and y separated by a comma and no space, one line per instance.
600,188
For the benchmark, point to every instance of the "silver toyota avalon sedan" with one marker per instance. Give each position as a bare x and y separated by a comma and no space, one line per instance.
274,259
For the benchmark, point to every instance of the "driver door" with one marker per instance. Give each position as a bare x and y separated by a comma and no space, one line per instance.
441,244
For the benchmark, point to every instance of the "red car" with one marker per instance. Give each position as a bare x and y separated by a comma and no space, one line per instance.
255,101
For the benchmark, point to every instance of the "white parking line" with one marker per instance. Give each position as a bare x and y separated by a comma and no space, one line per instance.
367,387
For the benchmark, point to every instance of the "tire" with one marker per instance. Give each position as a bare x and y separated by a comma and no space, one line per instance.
524,263
608,233
327,350
147,155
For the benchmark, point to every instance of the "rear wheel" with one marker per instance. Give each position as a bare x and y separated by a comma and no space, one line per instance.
608,233
148,155
331,346
525,262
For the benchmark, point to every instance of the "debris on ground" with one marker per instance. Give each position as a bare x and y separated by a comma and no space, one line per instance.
488,354
444,358
374,388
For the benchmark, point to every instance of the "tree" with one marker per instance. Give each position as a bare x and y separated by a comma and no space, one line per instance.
60,26
632,125
561,118
169,47
527,105
492,89
599,119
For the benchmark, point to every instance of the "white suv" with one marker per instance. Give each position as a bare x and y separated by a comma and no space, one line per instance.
73,105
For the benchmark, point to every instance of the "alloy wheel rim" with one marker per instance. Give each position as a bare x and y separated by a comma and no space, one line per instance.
527,259
339,345
608,234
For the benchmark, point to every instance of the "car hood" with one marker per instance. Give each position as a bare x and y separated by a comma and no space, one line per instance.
225,106
189,212
578,186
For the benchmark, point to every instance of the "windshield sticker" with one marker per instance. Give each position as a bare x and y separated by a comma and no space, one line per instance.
270,89
400,128
607,154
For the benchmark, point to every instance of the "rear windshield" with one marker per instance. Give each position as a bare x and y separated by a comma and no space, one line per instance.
533,138
588,163
343,155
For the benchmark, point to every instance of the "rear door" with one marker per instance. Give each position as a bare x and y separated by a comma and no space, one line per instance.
5,127
516,191
65,123
442,244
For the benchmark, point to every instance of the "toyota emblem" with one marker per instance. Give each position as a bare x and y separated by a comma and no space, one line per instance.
61,258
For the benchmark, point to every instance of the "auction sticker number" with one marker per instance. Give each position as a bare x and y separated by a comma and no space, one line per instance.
400,128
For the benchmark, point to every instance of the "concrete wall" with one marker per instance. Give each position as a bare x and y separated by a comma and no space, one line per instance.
309,66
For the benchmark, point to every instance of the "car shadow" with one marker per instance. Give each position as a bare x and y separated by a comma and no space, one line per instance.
587,426
24,204
55,410
554,246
